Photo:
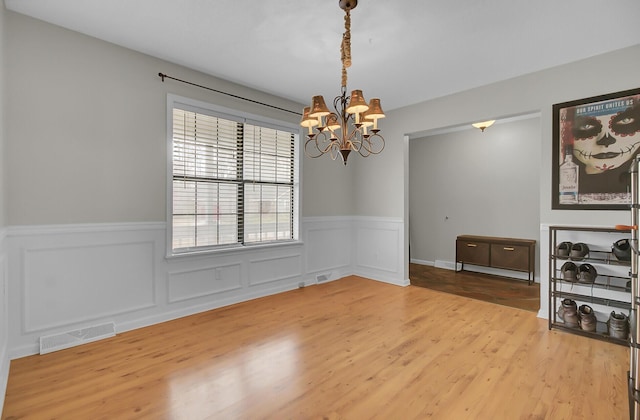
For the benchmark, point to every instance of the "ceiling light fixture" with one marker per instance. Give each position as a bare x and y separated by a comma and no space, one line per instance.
484,124
343,131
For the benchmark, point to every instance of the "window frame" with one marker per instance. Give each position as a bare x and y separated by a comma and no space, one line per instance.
192,105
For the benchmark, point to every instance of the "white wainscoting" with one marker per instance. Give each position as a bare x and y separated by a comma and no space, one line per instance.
544,271
275,268
67,284
4,320
336,247
328,247
67,277
379,245
195,283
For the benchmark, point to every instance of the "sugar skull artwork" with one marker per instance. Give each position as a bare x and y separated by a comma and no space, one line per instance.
596,142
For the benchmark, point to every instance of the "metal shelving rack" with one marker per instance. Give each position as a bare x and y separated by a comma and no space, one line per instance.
607,291
634,328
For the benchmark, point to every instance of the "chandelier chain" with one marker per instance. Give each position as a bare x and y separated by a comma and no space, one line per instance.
345,47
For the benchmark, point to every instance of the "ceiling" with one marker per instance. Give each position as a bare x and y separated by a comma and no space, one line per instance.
404,51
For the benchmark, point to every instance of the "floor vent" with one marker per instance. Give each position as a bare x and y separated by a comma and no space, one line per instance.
322,278
73,338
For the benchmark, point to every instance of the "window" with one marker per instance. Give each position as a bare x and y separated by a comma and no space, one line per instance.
232,180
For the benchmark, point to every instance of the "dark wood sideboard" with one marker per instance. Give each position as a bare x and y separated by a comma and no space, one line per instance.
505,253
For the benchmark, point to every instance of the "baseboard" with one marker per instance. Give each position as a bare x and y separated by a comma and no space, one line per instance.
496,272
141,322
379,276
4,376
449,265
196,309
437,264
422,262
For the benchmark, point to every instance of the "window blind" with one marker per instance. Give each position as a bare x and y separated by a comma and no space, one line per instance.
268,177
232,182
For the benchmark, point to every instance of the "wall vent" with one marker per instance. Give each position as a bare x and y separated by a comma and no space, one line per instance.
54,342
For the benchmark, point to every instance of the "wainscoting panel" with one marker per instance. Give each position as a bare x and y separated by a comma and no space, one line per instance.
68,285
544,271
328,244
68,277
4,319
195,283
379,244
63,278
276,268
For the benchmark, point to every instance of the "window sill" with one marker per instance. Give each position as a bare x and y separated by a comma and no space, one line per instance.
234,249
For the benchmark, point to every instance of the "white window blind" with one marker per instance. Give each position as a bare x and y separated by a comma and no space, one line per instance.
232,182
268,184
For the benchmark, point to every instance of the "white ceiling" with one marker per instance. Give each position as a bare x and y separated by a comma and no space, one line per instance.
404,51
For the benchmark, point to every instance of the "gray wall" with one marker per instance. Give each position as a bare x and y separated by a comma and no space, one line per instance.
473,182
535,92
4,314
86,130
381,184
84,135
85,145
3,83
3,38
83,141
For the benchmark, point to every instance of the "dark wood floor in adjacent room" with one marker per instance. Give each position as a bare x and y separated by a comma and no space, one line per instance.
504,291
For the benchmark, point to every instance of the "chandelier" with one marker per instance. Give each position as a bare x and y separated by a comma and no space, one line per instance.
354,124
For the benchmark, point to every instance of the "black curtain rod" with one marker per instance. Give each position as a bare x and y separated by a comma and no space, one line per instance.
163,76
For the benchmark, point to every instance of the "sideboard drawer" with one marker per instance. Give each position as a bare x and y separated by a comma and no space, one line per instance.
502,253
510,257
473,252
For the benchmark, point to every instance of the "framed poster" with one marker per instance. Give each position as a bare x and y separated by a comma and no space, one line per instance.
594,142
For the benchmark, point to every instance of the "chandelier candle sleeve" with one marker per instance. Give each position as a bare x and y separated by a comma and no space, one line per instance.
345,130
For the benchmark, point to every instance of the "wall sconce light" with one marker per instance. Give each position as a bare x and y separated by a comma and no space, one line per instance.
484,124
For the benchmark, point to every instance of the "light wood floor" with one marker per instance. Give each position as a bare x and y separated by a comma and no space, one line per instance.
349,349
